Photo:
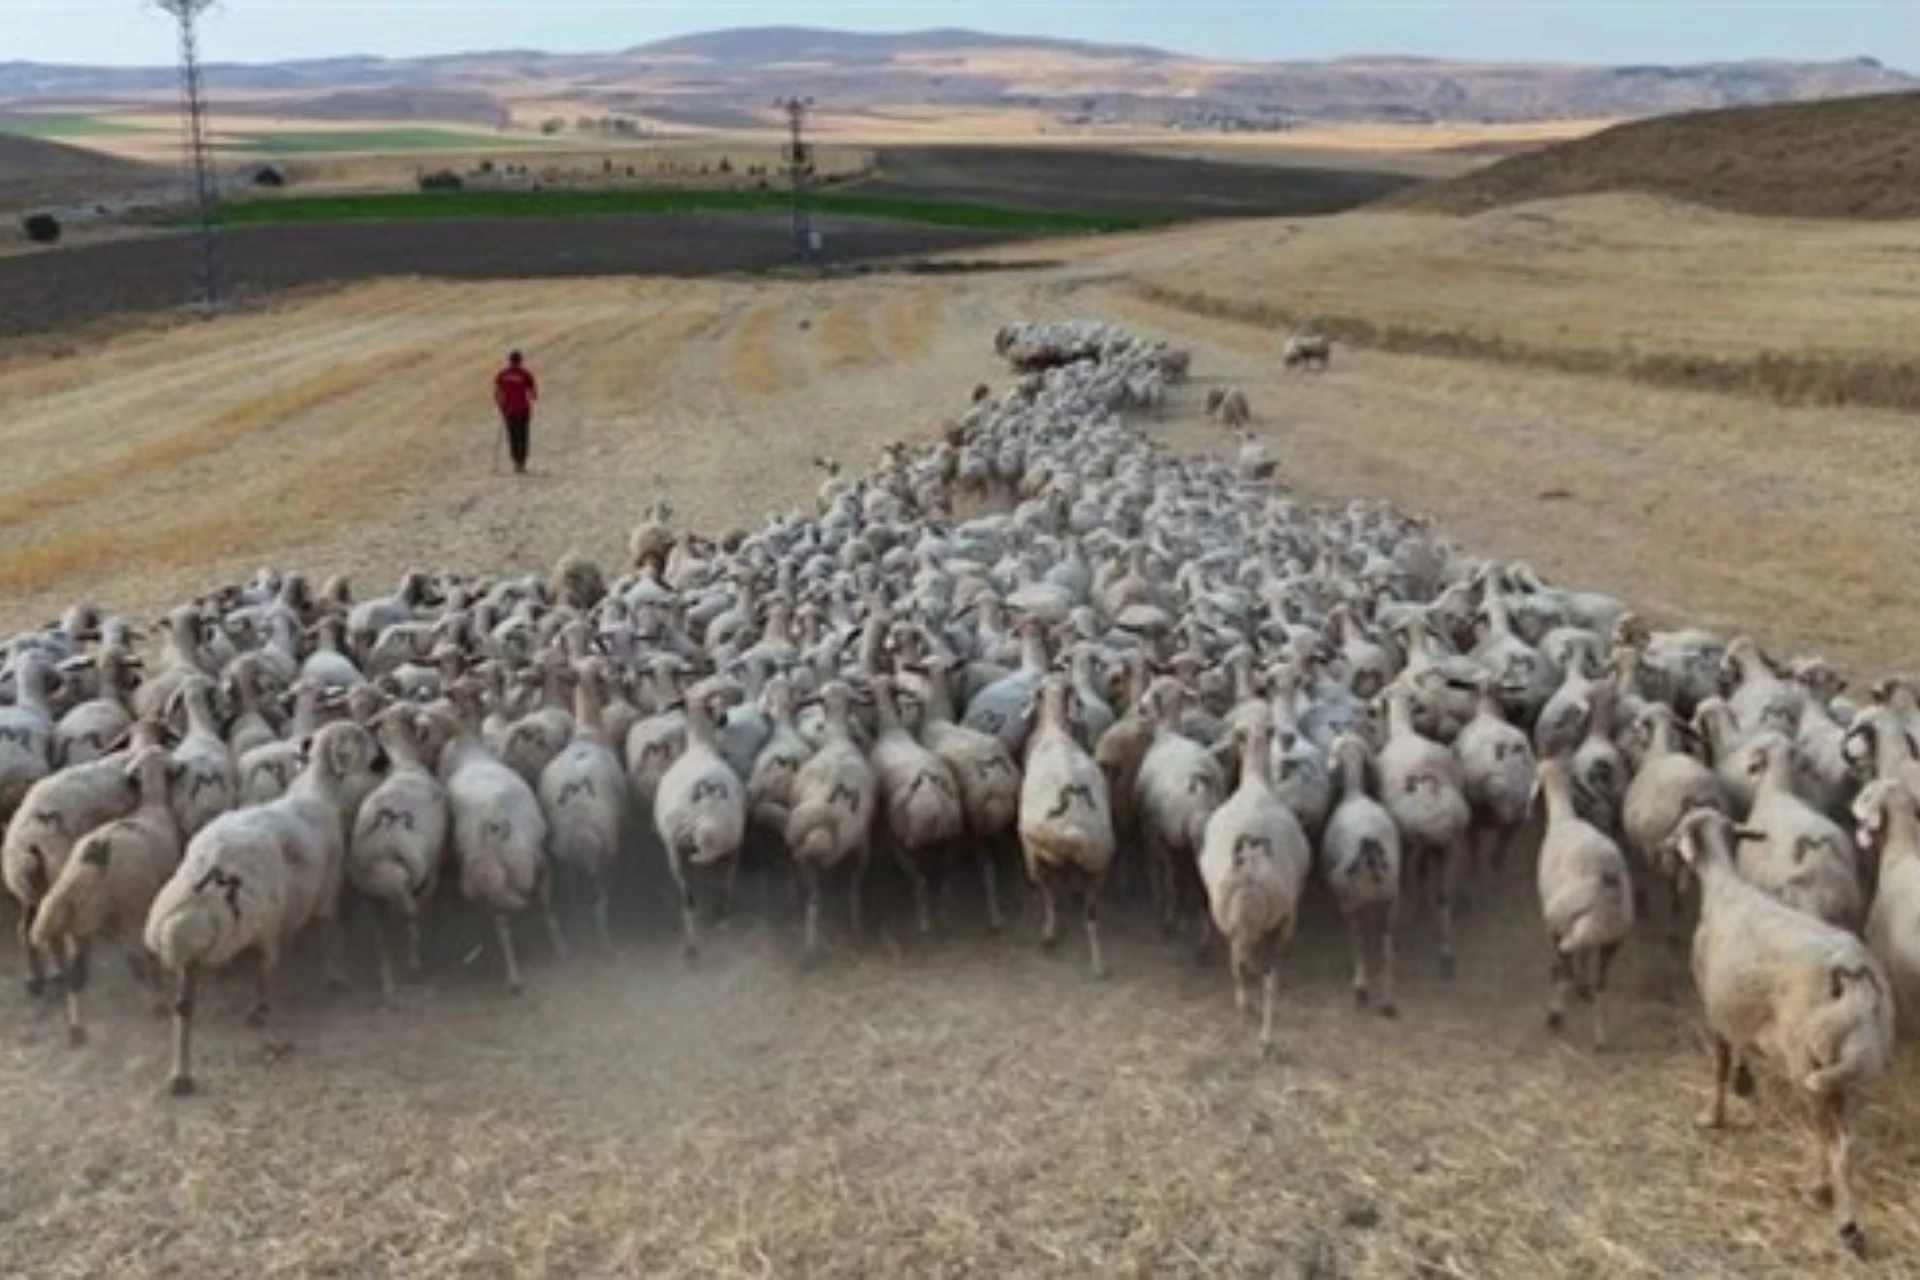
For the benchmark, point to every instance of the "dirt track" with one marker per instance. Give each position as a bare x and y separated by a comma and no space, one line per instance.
964,1108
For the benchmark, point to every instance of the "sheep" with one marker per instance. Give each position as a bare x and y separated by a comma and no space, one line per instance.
835,796
988,777
1307,350
576,582
26,734
499,832
110,882
398,841
918,800
700,811
1422,787
1360,859
1586,899
1497,772
1801,856
1792,990
1066,823
1668,785
1178,787
1235,412
1254,861
653,539
58,810
253,879
207,784
1887,818
87,731
585,795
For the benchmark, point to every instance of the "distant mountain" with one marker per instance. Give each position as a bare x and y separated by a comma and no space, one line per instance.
721,74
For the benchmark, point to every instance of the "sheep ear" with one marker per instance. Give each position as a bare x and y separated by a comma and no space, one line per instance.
1748,835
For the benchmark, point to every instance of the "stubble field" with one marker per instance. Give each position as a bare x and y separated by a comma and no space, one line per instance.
966,1107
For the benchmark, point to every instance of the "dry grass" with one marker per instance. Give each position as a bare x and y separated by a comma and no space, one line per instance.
1799,313
968,1107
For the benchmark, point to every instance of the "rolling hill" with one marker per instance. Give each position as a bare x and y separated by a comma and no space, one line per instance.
1844,158
1073,83
35,171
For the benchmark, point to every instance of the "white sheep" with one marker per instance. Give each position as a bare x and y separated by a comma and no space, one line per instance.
586,795
1586,899
91,729
1307,350
253,879
1668,785
1887,815
835,796
1254,860
1793,990
1066,822
499,833
1178,787
1422,787
1801,857
110,882
207,784
700,810
919,799
1360,858
398,842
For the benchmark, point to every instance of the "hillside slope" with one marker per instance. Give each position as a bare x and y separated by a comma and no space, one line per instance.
1846,158
34,171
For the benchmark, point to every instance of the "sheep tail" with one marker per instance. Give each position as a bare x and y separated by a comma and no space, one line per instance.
485,880
188,934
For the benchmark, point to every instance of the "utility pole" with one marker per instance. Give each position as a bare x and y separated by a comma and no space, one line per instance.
799,170
197,152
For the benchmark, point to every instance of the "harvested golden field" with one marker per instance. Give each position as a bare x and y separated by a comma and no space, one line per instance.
964,1106
1801,311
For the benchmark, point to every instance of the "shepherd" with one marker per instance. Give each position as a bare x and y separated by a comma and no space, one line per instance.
514,391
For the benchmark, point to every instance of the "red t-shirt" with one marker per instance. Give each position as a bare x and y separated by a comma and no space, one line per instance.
514,389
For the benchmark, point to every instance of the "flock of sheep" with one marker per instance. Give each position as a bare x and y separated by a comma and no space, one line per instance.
1044,637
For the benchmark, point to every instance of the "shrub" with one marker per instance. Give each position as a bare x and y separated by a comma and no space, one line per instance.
441,180
268,176
41,228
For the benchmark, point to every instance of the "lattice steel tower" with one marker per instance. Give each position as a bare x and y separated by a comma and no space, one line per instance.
799,170
197,151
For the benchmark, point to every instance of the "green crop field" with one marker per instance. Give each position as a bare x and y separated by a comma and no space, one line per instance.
560,204
319,142
49,126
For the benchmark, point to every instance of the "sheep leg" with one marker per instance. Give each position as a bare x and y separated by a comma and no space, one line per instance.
862,858
503,933
1450,867
36,965
1836,1143
808,879
1358,936
387,996
181,1083
1389,918
689,917
1237,960
922,897
602,911
996,922
1715,1117
1161,881
1602,963
330,949
1560,982
728,885
414,963
1049,922
263,976
146,971
1269,994
1096,959
76,982
554,937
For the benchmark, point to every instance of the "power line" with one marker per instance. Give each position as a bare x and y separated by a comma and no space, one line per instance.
197,151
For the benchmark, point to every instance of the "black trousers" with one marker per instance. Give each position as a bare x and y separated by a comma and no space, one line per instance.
519,433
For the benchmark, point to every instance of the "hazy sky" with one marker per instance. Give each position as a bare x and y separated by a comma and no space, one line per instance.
116,31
